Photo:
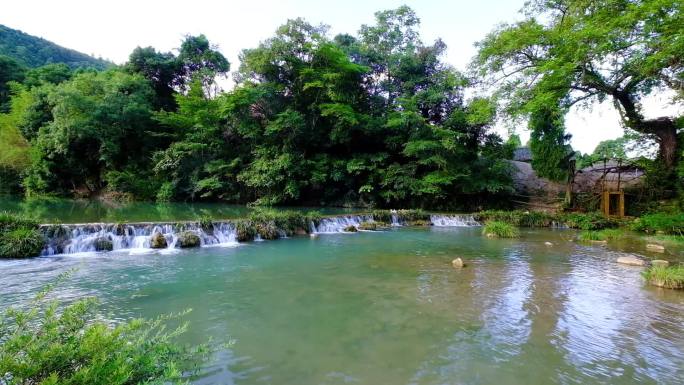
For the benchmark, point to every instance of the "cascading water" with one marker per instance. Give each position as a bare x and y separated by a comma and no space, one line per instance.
70,239
453,220
138,237
339,223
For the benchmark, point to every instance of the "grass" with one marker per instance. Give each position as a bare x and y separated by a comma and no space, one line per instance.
602,235
660,223
19,236
500,229
582,221
667,277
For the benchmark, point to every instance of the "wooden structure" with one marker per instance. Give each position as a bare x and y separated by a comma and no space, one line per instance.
613,203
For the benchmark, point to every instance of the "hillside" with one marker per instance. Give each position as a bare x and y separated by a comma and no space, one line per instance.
33,51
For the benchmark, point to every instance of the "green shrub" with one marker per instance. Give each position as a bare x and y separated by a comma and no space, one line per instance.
667,277
588,221
672,224
518,217
55,344
21,243
500,229
382,216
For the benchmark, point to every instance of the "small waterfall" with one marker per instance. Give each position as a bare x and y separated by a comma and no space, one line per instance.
453,220
137,237
70,239
339,223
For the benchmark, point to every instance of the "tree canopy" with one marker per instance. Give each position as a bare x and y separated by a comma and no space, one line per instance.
583,51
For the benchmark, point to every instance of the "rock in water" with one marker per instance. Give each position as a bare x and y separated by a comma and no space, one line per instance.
548,243
188,239
458,263
660,263
351,229
103,244
158,241
656,248
631,260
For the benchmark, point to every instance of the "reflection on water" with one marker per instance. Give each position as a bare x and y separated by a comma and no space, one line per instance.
387,308
95,211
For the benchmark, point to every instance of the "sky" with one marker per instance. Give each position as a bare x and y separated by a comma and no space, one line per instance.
112,29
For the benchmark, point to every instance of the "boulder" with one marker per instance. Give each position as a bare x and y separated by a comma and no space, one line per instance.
103,244
656,248
660,263
369,226
458,263
351,229
548,244
300,231
188,239
158,241
631,260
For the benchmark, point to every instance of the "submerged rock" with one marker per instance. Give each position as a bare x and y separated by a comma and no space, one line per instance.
631,260
158,241
548,243
351,229
458,263
188,239
103,244
656,248
660,263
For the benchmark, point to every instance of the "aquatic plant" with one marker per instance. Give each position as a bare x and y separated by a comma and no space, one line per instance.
601,235
667,277
500,229
51,343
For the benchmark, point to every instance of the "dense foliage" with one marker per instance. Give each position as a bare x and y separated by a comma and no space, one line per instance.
69,344
374,119
32,51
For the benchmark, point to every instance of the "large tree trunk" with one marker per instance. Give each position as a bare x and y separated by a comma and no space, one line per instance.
664,129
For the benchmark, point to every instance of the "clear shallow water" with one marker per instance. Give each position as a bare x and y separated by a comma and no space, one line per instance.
387,308
94,211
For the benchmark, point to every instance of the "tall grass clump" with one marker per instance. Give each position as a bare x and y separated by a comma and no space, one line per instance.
518,217
19,236
500,229
50,343
667,277
601,235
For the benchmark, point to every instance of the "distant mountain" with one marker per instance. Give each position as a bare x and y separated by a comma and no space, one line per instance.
33,51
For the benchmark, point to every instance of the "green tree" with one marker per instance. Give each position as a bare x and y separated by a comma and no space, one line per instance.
580,51
100,122
10,71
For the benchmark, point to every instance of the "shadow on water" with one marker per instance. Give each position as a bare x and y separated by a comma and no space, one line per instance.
388,308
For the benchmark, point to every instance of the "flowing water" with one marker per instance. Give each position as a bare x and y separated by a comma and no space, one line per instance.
388,308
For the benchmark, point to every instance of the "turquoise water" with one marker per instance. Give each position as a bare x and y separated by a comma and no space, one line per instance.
388,308
94,211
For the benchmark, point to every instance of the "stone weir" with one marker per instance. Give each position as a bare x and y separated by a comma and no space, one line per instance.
144,236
